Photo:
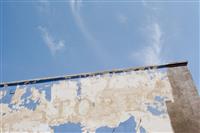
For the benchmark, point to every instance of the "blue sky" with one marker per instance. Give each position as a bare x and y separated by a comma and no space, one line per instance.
49,38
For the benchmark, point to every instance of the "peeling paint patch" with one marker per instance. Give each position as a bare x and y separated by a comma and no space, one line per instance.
67,128
109,102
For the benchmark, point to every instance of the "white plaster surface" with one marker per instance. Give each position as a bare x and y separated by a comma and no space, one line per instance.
104,101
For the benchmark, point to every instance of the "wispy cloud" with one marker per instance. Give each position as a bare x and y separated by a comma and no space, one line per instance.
76,6
46,11
53,44
151,53
150,5
144,3
43,6
122,18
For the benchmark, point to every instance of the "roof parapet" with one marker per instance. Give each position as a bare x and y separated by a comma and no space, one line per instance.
83,75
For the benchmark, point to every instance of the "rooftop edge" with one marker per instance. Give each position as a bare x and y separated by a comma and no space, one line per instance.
82,75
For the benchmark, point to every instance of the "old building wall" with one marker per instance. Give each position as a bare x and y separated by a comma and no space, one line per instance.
184,112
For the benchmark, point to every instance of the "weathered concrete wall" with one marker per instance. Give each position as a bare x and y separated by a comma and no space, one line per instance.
184,112
94,104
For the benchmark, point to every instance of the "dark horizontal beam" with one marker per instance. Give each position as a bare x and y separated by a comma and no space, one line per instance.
83,75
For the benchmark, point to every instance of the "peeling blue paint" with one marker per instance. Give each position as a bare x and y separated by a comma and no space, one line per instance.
67,128
124,127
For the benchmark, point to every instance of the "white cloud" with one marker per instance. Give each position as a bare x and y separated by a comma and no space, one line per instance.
150,5
75,8
122,18
43,6
99,51
53,44
151,53
144,3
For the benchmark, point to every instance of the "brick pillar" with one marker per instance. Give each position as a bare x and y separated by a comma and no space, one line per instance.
184,112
